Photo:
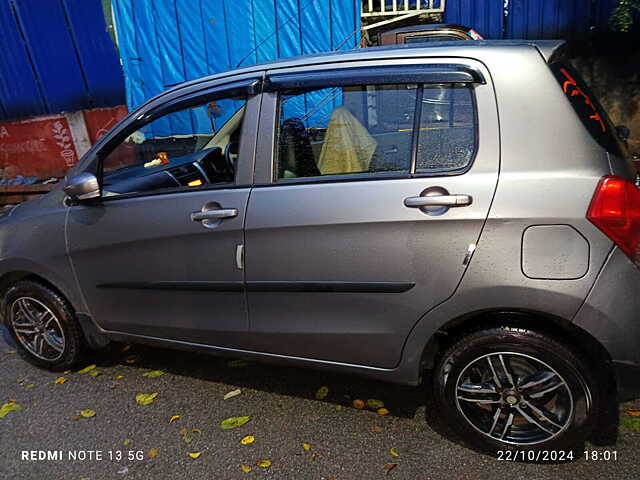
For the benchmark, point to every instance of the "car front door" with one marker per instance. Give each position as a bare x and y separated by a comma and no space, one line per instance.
366,213
158,254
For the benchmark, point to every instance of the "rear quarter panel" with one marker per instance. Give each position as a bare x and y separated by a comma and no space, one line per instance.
549,169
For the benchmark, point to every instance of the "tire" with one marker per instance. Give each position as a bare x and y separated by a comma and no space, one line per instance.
32,311
543,400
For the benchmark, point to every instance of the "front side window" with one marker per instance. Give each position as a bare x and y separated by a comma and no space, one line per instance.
375,129
189,148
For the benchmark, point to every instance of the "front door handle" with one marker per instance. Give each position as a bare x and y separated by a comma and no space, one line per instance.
438,201
218,214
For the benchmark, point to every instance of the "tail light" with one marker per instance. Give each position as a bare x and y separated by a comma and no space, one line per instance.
615,210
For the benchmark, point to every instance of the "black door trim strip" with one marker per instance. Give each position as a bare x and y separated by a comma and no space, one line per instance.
269,286
188,286
330,286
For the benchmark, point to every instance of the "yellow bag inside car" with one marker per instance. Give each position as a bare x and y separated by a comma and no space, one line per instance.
347,147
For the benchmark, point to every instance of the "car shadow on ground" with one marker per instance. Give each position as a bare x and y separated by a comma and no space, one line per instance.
402,401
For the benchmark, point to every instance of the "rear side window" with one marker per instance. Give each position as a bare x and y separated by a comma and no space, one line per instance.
587,107
375,129
447,136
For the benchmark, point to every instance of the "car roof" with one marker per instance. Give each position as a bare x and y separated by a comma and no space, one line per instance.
431,27
547,48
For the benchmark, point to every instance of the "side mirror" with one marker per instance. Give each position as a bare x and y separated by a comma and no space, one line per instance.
623,132
82,187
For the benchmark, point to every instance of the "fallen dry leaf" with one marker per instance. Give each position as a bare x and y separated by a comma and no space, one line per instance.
233,422
87,369
153,453
87,413
306,447
358,404
633,413
131,360
11,352
339,408
67,372
59,380
194,454
9,407
196,430
374,404
264,463
174,418
127,442
119,377
382,411
249,439
231,394
322,393
245,468
183,431
145,398
125,348
394,453
377,429
154,373
389,466
95,373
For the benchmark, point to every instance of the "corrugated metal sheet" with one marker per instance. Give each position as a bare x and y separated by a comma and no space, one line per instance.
549,18
56,56
165,42
20,95
531,19
484,16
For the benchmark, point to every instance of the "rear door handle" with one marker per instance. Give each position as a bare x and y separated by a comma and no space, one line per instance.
218,214
438,201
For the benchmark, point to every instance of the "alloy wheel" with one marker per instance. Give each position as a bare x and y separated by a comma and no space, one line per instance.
37,328
514,398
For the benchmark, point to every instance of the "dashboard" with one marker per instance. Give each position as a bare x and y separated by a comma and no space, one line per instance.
205,167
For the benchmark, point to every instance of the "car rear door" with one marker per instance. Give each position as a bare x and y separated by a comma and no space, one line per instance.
340,265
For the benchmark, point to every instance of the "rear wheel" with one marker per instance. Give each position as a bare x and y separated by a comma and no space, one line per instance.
515,389
43,326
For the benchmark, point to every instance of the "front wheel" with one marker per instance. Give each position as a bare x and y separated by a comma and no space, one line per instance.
515,389
43,326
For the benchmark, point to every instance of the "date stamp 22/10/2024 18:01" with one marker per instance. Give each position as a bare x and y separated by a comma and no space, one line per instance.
555,455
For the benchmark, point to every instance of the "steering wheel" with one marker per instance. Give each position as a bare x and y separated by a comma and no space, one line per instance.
231,155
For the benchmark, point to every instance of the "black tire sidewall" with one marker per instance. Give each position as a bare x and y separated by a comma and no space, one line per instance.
565,361
73,347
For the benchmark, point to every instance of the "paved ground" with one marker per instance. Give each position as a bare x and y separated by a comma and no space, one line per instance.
346,443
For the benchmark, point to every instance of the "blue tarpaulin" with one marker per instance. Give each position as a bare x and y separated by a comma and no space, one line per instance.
165,42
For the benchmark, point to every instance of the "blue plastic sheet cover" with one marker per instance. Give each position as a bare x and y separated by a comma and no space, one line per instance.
165,42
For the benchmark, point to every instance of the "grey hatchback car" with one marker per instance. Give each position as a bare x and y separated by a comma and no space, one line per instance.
462,212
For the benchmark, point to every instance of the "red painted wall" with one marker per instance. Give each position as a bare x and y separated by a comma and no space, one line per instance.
39,147
100,120
43,147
